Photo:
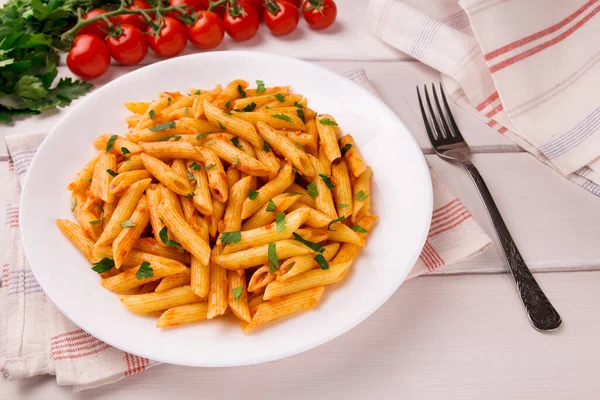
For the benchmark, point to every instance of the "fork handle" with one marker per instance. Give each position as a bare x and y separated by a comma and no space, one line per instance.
541,313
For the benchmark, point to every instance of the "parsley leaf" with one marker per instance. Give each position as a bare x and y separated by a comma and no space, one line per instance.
228,104
88,179
211,142
73,203
222,126
237,292
283,117
345,149
279,97
162,127
231,237
144,271
152,114
236,143
260,87
358,228
197,92
111,142
236,161
271,206
210,166
321,261
340,219
312,189
190,176
111,172
280,221
226,112
327,181
186,111
342,205
298,145
125,150
296,104
200,136
194,166
327,121
96,222
164,237
273,260
252,194
266,147
104,265
241,91
361,195
300,113
127,224
310,245
250,107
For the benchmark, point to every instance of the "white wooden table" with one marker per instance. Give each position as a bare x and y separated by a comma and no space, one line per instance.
439,337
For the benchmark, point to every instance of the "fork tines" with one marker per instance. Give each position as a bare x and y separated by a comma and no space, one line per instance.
440,124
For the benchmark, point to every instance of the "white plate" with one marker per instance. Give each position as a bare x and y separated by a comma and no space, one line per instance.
401,197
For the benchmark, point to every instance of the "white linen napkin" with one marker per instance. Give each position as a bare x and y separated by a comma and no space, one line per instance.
39,339
527,68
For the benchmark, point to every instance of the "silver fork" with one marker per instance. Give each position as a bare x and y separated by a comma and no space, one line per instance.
449,144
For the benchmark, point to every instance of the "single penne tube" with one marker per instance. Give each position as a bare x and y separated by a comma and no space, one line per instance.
107,211
187,204
259,255
232,220
158,301
242,161
137,107
349,251
215,173
83,177
245,146
123,211
362,195
173,281
184,314
324,199
88,221
184,233
267,157
157,132
200,272
317,235
101,180
304,198
263,217
342,194
230,92
268,233
354,159
124,241
148,287
170,150
78,237
339,232
301,112
258,101
219,284
121,182
276,186
316,219
269,311
268,90
164,174
150,245
237,296
154,196
254,302
127,280
301,140
153,109
198,105
328,135
287,102
311,130
307,280
172,199
287,148
233,175
120,144
132,121
297,265
226,121
202,198
200,125
216,216
135,258
130,164
260,278
273,118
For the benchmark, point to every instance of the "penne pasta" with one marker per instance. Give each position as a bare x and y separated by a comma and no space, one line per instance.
273,118
342,193
198,105
259,255
187,202
119,145
269,190
101,179
137,223
150,245
173,281
83,177
231,92
135,258
285,102
154,196
148,287
171,150
258,100
305,198
227,121
137,107
311,130
164,131
219,284
237,296
297,265
349,251
78,237
263,217
165,175
184,314
287,148
130,164
362,195
328,135
88,221
242,161
122,181
127,280
172,199
268,90
158,301
260,278
200,272
201,196
324,199
232,220
214,219
215,173
352,155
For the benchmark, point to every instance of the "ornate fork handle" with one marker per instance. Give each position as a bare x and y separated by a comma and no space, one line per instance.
541,313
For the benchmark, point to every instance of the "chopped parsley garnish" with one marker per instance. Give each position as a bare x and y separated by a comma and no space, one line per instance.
197,92
162,127
260,87
300,113
200,136
345,149
271,206
237,292
169,100
279,97
104,265
231,237
227,112
96,222
125,150
312,189
211,142
144,271
321,261
186,111
266,147
273,261
361,195
236,161
327,121
111,142
296,104
190,175
310,245
194,166
88,179
250,107
340,219
73,203
111,172
222,126
241,91
210,166
252,194
236,143
280,221
164,237
228,104
358,228
127,224
298,145
327,181
166,138
152,114
342,205
283,117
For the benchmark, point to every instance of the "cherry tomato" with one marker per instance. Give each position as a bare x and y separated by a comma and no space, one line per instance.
281,17
319,14
98,28
208,30
171,39
196,5
241,21
297,3
256,4
129,46
135,19
89,57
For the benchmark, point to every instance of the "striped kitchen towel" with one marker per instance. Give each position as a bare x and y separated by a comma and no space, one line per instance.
528,68
38,339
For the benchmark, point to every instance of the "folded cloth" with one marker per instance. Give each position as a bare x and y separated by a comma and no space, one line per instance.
38,339
527,73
